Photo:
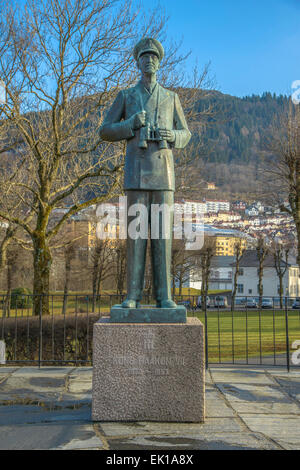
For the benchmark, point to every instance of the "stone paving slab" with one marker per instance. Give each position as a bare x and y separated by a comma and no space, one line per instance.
6,371
266,408
213,441
211,425
49,436
31,414
80,382
252,393
285,429
50,408
218,409
31,388
241,376
43,371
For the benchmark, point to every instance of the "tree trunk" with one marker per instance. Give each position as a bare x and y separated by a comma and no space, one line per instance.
180,283
7,301
99,280
203,289
4,245
236,273
281,290
260,285
67,281
42,264
94,286
173,280
238,256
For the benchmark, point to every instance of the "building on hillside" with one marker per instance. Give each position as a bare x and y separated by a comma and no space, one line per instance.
189,207
252,211
211,186
225,245
216,206
239,205
222,216
248,277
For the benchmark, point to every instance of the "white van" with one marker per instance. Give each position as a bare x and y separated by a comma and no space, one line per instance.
220,301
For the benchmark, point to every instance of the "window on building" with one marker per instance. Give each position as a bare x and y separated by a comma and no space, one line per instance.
241,272
240,288
249,291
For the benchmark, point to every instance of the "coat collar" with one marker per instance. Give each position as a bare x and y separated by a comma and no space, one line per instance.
139,89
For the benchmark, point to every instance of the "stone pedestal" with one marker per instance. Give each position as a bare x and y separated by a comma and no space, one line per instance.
148,372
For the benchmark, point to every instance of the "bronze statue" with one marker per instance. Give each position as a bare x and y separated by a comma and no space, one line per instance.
151,119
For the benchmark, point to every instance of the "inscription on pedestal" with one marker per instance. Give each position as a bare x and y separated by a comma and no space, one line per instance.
147,361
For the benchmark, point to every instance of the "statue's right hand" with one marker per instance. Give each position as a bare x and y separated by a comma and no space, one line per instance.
139,120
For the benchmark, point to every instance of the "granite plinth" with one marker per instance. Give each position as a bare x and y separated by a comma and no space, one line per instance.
148,372
119,314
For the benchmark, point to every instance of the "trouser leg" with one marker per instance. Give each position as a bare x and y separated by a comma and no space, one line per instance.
161,248
136,248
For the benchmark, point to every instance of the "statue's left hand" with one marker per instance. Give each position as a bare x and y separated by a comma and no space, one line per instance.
167,135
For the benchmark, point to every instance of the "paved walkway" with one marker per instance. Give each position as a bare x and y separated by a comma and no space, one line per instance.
50,408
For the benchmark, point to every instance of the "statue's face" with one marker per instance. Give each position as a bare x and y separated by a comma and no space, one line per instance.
148,63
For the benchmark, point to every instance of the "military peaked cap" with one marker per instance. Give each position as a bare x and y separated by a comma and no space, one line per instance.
148,45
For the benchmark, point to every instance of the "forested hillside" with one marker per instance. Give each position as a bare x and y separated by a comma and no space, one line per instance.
241,126
233,140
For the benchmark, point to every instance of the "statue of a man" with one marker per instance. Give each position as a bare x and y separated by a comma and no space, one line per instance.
151,119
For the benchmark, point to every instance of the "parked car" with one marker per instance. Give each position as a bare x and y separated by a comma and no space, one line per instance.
199,302
251,303
220,301
240,301
296,303
267,303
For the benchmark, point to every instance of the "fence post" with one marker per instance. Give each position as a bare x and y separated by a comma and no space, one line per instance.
287,336
206,335
40,335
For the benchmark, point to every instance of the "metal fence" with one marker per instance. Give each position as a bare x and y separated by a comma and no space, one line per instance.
253,332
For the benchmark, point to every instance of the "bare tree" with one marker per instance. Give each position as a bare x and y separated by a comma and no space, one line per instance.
238,252
280,255
120,265
59,62
262,251
102,266
69,251
13,259
206,255
183,264
282,165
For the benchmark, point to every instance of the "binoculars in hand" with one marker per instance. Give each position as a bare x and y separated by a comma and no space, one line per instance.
150,134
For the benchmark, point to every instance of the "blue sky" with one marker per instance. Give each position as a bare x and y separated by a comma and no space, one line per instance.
253,45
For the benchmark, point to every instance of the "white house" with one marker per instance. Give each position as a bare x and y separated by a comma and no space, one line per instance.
220,275
248,277
252,211
217,206
188,207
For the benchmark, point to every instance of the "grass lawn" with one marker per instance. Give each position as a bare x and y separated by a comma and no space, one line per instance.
261,333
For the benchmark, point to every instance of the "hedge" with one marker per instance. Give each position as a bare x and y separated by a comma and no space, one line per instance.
63,339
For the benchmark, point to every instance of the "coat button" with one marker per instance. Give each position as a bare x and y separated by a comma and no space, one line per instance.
159,156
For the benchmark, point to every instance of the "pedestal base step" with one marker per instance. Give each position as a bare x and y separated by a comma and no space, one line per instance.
146,314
